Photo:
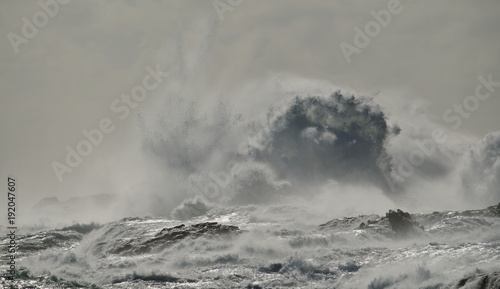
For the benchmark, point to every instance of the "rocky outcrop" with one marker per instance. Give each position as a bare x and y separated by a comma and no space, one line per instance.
492,211
394,224
402,223
45,240
477,281
209,229
451,222
351,223
166,238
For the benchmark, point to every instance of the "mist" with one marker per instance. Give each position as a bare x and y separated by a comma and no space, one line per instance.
238,144
284,139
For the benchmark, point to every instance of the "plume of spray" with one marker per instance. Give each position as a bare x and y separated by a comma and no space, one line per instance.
302,146
320,138
306,142
303,140
479,171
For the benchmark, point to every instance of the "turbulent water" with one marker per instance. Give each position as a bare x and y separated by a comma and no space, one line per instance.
268,247
298,199
279,182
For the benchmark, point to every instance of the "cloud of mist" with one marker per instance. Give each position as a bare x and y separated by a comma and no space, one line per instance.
284,138
479,171
315,139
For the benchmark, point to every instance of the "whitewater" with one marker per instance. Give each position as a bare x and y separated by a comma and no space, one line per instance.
304,204
287,183
267,247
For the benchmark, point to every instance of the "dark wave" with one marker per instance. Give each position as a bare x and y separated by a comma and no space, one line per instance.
339,137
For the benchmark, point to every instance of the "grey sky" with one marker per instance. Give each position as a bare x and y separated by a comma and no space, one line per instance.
65,78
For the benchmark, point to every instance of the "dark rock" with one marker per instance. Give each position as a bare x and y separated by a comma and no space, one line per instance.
351,222
46,240
495,209
196,230
491,211
478,281
273,268
169,236
350,267
82,228
475,218
402,223
152,277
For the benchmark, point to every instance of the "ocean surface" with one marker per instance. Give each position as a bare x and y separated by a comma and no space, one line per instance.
277,246
305,197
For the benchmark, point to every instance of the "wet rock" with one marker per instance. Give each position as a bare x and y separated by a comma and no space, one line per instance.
394,224
169,236
46,240
495,210
350,267
203,229
273,268
402,223
352,223
477,281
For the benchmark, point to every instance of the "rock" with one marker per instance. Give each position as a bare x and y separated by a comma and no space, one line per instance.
402,223
353,223
350,267
273,268
394,224
495,210
491,211
47,240
169,236
477,281
196,230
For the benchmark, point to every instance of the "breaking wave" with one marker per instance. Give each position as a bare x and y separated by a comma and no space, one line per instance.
318,138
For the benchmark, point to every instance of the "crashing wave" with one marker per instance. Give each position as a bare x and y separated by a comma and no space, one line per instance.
318,138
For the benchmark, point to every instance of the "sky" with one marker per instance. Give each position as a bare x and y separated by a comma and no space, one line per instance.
82,56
